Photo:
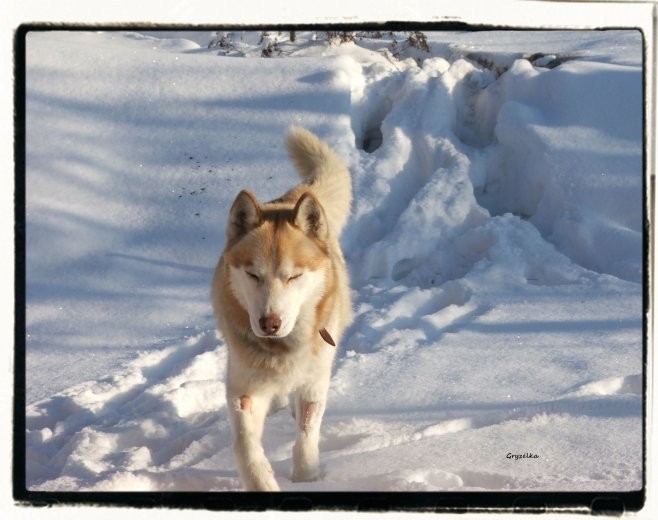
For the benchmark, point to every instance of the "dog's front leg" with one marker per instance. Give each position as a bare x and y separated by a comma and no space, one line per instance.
309,408
247,414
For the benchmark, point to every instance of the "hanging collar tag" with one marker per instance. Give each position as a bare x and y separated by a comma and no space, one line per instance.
327,337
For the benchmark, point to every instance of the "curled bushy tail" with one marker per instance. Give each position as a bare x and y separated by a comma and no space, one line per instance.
324,172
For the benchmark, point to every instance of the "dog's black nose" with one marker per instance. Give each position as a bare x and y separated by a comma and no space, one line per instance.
270,324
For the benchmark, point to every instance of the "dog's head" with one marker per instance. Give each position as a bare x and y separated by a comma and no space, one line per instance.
277,257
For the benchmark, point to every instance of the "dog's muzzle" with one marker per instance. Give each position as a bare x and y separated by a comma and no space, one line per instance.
270,324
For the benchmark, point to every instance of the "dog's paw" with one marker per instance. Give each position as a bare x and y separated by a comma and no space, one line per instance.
305,475
259,476
306,466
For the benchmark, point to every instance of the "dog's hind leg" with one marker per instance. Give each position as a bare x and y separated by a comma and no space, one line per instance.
279,402
247,413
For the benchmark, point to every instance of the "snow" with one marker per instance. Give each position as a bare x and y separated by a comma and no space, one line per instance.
495,248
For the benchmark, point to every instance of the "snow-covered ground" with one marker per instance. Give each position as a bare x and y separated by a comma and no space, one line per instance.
495,249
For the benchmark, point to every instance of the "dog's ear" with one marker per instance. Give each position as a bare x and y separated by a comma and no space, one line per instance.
244,215
310,217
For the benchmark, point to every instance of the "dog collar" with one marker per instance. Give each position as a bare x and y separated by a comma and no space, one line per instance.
327,337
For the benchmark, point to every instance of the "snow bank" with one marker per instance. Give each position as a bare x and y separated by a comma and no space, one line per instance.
550,130
495,249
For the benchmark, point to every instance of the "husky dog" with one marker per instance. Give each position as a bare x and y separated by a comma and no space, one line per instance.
281,299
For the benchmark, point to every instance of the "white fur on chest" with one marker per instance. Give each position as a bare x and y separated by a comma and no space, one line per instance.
301,368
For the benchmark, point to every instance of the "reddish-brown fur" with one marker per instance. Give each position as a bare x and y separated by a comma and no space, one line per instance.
276,236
